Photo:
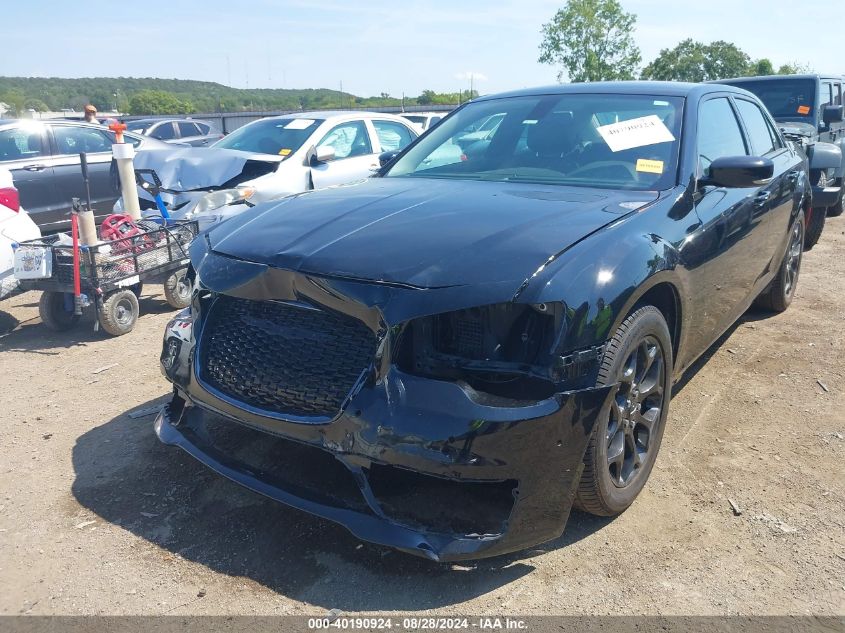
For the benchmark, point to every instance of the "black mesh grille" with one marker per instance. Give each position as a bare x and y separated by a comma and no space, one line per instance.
283,358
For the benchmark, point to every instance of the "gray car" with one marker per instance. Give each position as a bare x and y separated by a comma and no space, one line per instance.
177,131
43,157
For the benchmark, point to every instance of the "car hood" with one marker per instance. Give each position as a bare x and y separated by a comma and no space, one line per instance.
797,128
197,168
423,233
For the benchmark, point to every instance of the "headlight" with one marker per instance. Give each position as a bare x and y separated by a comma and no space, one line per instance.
222,198
508,350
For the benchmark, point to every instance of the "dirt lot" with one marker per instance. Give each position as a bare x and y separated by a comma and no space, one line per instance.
97,517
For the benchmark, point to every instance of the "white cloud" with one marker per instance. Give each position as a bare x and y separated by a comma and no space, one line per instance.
469,75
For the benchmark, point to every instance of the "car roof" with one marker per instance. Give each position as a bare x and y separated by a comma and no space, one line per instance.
655,88
812,76
335,114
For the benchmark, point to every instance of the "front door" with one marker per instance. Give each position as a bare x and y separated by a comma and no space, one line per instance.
71,140
354,157
725,248
24,151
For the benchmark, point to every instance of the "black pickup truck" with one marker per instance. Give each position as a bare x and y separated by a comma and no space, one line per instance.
808,110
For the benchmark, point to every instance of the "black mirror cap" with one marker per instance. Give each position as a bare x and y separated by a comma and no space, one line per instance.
832,114
740,171
385,157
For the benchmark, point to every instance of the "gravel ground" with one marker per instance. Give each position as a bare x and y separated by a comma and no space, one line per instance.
96,517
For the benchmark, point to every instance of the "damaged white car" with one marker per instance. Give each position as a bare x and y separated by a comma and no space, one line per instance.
269,159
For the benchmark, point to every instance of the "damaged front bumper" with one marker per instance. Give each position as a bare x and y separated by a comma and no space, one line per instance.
426,465
435,440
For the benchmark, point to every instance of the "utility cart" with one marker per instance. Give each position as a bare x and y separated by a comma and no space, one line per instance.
111,275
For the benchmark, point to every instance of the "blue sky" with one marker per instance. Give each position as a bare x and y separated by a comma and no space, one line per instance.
374,46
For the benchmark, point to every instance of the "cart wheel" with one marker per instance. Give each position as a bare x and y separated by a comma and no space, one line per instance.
119,312
177,290
54,313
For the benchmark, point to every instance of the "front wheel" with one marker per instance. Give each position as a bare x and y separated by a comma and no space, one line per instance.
624,445
781,291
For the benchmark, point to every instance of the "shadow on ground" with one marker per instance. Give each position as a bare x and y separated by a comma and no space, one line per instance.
160,494
32,336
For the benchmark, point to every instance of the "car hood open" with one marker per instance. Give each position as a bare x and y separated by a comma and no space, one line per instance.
424,233
196,168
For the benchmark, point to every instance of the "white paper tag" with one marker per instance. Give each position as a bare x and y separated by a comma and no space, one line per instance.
299,124
646,130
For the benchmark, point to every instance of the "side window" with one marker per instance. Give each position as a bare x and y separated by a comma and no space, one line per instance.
20,144
392,135
433,121
759,132
187,128
127,138
163,131
75,140
348,140
203,128
718,133
837,94
826,95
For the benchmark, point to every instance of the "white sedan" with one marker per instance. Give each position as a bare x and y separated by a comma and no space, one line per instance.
15,226
271,158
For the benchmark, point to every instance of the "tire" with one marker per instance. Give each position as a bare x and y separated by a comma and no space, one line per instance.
779,294
836,210
177,290
119,312
51,309
815,226
639,353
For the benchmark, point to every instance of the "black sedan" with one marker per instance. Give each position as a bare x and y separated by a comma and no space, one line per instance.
448,356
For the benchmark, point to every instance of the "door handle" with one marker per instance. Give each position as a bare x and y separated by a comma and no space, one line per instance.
37,167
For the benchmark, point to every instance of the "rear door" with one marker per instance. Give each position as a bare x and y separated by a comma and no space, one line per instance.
68,142
25,152
354,159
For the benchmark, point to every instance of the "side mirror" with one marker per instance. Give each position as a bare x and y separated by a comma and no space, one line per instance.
386,157
324,154
832,114
739,172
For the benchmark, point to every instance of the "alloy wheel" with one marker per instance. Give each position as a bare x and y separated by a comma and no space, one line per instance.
793,259
636,411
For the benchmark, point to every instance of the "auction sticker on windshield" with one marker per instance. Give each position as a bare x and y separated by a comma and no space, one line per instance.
639,132
299,124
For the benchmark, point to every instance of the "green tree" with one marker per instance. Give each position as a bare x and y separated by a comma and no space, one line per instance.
794,68
591,40
158,102
760,68
36,104
696,61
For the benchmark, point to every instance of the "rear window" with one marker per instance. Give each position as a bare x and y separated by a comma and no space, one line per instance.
787,98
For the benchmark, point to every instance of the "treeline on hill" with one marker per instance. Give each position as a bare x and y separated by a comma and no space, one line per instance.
178,96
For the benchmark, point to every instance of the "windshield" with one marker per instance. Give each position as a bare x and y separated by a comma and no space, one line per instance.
609,141
416,119
281,137
784,97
